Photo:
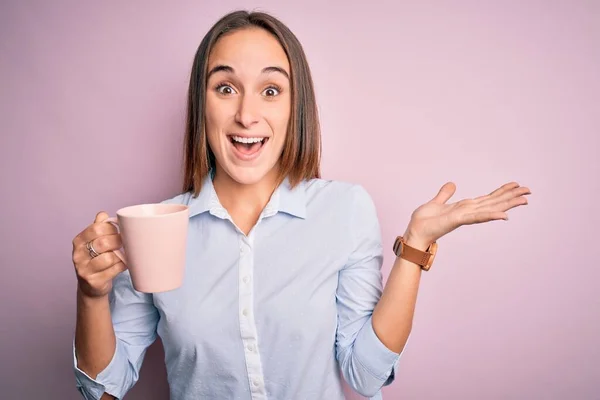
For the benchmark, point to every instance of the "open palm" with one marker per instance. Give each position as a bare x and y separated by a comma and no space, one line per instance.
436,218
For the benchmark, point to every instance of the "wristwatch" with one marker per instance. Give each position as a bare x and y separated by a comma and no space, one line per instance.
424,259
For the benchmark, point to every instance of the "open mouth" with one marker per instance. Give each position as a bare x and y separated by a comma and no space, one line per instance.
247,146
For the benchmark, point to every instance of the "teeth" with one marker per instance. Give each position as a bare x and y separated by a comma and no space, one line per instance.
247,140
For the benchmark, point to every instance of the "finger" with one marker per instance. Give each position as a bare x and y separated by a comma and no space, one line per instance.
105,243
101,217
445,192
102,278
504,188
98,229
505,205
111,272
84,236
499,191
80,255
100,263
101,244
518,192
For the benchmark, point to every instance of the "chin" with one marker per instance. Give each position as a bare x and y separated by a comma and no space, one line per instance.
248,175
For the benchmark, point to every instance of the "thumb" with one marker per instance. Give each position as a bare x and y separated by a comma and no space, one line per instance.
447,190
101,216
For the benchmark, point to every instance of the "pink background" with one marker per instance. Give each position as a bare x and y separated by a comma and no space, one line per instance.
411,95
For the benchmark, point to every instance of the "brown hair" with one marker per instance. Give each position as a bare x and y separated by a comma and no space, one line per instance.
301,154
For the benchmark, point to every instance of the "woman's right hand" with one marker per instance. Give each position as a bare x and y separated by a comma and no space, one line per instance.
95,275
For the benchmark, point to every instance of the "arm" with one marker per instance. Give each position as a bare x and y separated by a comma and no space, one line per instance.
366,363
94,334
373,328
111,339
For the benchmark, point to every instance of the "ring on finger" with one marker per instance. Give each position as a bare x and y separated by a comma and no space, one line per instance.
91,250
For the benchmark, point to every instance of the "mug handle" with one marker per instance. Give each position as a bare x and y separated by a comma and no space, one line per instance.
114,221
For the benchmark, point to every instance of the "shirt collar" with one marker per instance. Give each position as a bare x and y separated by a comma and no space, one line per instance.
290,201
207,198
284,199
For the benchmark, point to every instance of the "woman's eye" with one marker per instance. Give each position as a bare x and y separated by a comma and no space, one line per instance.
225,89
271,91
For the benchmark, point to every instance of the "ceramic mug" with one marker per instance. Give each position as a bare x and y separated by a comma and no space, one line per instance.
154,240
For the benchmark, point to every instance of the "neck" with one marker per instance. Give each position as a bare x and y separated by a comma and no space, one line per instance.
239,198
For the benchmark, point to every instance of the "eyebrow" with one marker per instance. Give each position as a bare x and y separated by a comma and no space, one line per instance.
227,68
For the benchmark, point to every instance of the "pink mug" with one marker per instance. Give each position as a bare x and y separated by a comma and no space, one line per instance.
154,240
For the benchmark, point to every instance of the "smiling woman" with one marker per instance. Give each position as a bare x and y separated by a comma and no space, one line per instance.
283,286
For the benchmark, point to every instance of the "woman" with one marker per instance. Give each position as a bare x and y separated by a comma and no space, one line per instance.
283,285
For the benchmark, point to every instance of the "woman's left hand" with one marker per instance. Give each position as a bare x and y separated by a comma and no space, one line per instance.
435,218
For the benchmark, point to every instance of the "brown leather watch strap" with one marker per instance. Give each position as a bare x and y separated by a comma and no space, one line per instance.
421,258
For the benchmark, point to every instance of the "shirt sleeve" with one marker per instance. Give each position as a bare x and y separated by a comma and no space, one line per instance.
366,363
134,320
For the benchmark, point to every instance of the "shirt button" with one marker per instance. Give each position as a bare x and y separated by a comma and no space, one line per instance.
250,348
245,312
246,279
256,382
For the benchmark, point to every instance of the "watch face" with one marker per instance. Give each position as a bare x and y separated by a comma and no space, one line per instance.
432,251
398,246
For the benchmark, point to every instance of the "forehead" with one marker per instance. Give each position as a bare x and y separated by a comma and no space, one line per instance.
248,51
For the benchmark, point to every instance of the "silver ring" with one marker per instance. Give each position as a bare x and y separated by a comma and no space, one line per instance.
91,250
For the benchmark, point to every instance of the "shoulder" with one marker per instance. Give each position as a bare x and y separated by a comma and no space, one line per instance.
182,198
346,206
345,196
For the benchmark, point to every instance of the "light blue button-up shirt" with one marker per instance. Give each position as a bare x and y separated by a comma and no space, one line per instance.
276,314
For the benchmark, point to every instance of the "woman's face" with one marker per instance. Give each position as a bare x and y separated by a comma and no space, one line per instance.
248,104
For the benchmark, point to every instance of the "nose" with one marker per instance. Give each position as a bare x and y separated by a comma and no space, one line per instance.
248,111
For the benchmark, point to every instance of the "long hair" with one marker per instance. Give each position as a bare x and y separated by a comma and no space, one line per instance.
301,154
